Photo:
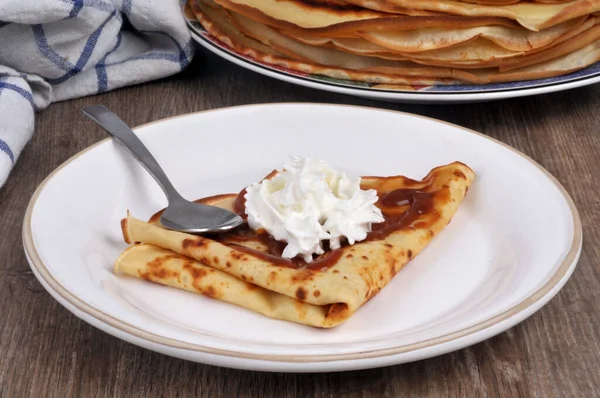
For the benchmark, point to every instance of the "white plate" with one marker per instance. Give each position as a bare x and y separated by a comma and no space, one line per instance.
418,94
510,248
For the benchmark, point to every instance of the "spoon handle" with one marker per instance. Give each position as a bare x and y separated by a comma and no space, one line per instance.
123,134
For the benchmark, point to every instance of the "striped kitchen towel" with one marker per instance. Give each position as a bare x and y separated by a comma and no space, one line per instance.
53,50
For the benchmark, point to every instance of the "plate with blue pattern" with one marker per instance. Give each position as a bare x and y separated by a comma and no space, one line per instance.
410,94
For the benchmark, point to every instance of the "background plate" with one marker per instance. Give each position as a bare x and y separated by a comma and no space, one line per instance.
512,245
420,94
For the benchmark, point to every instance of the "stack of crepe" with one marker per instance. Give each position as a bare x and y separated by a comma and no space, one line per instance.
410,42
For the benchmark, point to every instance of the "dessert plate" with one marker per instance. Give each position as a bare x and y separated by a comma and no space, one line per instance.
417,94
512,245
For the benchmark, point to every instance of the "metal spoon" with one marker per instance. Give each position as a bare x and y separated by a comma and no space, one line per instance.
180,215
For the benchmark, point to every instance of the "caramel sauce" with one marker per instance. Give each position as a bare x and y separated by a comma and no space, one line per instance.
418,210
321,263
402,208
277,260
245,234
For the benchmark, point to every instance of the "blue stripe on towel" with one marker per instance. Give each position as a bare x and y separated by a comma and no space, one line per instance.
77,6
47,51
6,149
22,92
88,49
101,66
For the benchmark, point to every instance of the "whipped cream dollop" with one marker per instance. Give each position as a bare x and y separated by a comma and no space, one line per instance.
308,202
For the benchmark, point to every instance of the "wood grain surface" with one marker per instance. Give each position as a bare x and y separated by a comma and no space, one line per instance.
45,351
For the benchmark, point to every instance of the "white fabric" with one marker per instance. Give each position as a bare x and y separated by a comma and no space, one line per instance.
53,50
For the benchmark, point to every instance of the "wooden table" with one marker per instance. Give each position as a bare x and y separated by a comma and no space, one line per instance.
46,351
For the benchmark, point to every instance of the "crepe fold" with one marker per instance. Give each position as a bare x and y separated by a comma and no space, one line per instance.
241,273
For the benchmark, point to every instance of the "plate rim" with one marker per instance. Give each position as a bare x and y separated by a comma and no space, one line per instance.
563,271
389,95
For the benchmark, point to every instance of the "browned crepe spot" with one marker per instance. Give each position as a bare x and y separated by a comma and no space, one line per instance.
301,294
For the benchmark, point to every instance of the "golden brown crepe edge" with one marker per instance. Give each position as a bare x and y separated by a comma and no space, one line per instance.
165,267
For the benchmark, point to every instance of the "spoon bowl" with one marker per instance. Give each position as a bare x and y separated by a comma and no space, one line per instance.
195,218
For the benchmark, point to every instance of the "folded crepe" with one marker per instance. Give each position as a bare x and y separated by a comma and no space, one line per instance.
246,269
478,55
432,38
532,15
344,20
474,50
